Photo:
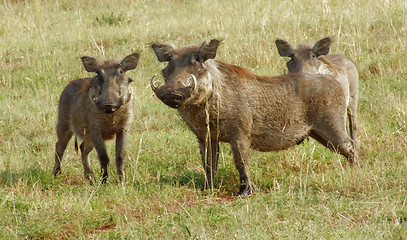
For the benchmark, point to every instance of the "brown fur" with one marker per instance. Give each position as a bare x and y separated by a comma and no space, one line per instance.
316,60
96,109
250,111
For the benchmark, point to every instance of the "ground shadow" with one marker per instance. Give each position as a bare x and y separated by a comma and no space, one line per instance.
189,178
196,180
30,176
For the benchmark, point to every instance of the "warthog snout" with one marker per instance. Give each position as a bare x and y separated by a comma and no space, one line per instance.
173,100
109,105
109,108
173,95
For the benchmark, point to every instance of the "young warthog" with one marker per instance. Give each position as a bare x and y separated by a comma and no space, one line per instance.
96,109
315,60
225,103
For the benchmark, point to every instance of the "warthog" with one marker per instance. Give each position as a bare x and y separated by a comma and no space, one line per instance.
225,103
97,109
315,60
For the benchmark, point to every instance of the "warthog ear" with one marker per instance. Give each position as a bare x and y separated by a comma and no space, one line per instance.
208,51
90,64
284,48
130,62
163,51
322,46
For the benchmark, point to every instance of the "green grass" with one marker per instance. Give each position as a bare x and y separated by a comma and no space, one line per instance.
302,193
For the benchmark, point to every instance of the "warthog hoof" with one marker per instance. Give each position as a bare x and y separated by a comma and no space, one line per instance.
56,171
245,190
91,177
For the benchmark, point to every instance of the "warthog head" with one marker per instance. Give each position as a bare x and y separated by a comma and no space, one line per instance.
304,58
109,89
186,78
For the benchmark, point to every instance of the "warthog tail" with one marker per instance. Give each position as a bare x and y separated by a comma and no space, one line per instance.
76,146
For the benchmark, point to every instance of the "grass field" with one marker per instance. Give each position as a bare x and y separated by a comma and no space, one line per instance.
306,192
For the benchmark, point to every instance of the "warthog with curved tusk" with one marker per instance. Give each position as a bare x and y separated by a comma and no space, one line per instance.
225,103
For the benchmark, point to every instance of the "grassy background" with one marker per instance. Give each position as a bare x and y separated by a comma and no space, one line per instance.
304,192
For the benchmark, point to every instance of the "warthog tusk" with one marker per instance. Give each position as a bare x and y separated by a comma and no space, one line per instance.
152,82
194,84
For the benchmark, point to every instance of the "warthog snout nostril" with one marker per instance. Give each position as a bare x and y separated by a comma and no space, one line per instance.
109,108
172,99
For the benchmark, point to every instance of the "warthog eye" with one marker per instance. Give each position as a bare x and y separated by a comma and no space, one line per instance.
121,71
196,58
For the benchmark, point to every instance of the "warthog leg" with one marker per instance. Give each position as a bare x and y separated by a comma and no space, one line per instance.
210,155
120,152
60,146
241,155
86,147
338,142
100,147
